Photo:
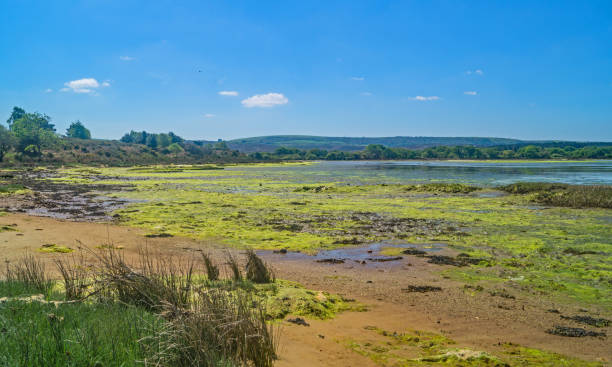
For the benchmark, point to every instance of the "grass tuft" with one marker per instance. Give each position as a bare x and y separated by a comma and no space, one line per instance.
212,270
257,271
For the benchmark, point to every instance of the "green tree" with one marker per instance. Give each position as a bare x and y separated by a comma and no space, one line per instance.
78,130
175,148
33,131
7,141
17,113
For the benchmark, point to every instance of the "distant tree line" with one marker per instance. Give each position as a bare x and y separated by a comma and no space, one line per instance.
381,152
31,138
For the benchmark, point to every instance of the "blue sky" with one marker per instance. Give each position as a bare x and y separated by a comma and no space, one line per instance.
522,69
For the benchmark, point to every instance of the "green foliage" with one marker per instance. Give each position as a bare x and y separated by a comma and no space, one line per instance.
33,131
153,141
7,141
78,130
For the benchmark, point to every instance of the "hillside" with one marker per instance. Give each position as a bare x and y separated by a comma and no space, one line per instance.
306,142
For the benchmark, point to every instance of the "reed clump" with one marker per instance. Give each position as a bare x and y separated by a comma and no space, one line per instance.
564,195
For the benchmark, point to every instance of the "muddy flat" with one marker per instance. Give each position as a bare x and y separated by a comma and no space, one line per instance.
404,294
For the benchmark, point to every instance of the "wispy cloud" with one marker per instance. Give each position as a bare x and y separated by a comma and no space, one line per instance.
231,93
209,115
358,78
265,100
366,94
476,72
127,58
425,98
85,85
470,92
48,90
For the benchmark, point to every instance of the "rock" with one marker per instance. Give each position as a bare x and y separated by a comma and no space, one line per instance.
298,321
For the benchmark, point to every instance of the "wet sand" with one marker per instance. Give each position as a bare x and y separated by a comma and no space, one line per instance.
476,320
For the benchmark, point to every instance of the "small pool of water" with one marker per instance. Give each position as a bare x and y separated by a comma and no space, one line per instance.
368,255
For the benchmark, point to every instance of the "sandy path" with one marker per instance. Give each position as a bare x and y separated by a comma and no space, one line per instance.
478,321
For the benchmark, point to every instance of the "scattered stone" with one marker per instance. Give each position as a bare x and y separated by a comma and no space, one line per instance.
573,332
349,241
384,259
321,336
461,260
158,235
281,251
414,252
553,310
298,321
421,288
331,261
598,322
501,293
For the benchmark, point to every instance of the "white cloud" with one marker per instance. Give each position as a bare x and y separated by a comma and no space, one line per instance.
265,100
427,98
209,115
48,90
85,85
126,58
106,83
477,72
232,93
358,78
367,94
470,93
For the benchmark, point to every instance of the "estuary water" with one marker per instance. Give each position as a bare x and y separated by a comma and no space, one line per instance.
484,173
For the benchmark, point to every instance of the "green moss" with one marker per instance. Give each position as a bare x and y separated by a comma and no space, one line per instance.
418,348
53,248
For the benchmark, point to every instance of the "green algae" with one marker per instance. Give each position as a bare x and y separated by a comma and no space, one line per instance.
284,298
564,253
419,348
52,248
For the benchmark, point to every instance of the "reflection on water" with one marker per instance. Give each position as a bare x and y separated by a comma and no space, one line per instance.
482,173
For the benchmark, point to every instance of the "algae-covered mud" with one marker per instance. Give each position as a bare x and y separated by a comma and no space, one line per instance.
481,237
551,251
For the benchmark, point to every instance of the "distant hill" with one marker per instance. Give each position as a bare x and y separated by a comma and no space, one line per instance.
306,142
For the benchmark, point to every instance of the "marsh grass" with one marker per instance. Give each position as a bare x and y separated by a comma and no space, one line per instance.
75,274
232,262
563,195
155,309
30,272
212,270
257,271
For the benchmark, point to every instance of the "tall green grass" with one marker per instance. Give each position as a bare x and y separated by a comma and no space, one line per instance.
155,311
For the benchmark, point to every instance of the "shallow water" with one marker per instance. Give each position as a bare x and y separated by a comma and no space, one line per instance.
480,173
368,255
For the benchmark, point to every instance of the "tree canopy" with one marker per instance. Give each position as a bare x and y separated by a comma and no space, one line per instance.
78,130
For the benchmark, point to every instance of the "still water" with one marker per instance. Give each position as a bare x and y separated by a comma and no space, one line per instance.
481,173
